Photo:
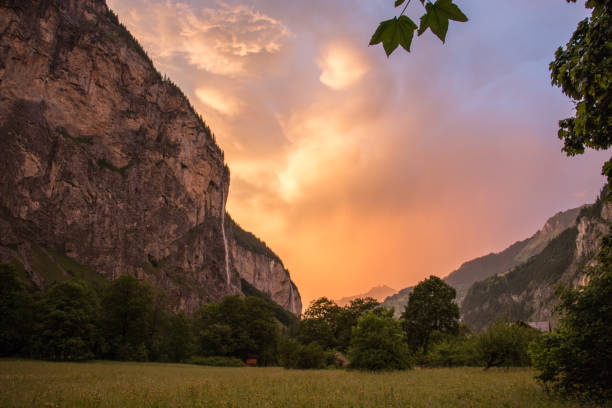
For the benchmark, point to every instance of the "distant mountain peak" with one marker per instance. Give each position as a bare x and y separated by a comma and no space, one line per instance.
377,292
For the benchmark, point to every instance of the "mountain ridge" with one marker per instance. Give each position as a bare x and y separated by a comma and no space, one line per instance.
492,264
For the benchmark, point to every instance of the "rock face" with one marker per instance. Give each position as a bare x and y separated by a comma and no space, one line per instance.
527,292
106,163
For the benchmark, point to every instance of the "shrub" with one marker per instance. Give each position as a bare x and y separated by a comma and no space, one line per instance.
377,343
295,355
453,352
505,344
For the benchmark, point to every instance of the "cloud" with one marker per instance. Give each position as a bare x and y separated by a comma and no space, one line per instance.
341,66
216,39
220,101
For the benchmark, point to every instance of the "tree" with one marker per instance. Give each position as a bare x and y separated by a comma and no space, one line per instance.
127,311
348,317
583,71
505,344
238,327
320,323
177,341
66,328
377,343
400,30
431,308
576,360
15,313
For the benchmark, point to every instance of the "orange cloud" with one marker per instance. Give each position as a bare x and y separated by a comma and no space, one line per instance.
218,40
341,65
219,101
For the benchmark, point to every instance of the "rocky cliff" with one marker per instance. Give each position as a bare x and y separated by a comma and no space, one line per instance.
105,167
527,291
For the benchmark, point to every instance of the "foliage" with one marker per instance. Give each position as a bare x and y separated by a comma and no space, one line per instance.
400,30
330,325
286,318
177,342
126,319
431,308
576,359
452,352
377,343
216,361
505,344
583,71
15,313
292,354
66,323
237,327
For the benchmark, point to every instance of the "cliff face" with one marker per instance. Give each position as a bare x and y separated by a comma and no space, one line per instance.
104,162
527,292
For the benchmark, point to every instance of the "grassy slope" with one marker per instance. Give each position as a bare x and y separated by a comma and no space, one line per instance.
106,384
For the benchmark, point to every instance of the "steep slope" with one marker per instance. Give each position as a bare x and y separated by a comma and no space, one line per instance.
494,263
105,164
379,293
527,292
262,268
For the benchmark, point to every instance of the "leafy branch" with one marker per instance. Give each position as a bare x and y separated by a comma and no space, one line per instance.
400,30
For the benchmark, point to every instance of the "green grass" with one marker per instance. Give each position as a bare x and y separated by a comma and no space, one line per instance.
113,384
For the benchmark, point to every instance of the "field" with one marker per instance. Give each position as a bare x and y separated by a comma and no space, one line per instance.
112,384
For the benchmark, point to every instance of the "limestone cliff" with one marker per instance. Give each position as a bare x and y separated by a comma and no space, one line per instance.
105,164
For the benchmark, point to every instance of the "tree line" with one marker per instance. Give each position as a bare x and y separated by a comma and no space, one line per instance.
130,320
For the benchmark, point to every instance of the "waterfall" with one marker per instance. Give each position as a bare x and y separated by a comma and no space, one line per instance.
291,297
227,274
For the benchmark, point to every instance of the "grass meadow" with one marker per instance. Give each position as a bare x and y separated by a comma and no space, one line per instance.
115,384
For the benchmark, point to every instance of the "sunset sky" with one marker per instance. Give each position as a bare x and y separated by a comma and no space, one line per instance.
360,170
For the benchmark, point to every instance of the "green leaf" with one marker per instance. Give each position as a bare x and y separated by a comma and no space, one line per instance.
451,10
394,32
406,28
381,32
399,2
437,17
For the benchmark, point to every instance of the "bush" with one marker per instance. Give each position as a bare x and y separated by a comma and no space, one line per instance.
453,352
216,361
295,355
377,343
505,344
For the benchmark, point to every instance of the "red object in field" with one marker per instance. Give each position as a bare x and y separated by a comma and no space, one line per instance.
251,362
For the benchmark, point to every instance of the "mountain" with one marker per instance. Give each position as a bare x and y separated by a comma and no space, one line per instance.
495,263
377,292
106,169
527,291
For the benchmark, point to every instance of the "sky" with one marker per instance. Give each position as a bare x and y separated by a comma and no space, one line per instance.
360,170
